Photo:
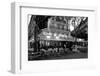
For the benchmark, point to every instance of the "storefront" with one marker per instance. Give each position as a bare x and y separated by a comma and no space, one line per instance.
56,40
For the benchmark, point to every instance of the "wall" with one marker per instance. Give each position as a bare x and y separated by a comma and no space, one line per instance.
5,33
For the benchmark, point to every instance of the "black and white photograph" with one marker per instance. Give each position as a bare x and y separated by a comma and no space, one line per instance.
52,37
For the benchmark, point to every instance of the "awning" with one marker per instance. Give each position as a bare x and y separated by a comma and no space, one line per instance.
43,36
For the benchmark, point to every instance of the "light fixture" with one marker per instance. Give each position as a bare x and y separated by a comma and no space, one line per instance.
48,37
57,37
